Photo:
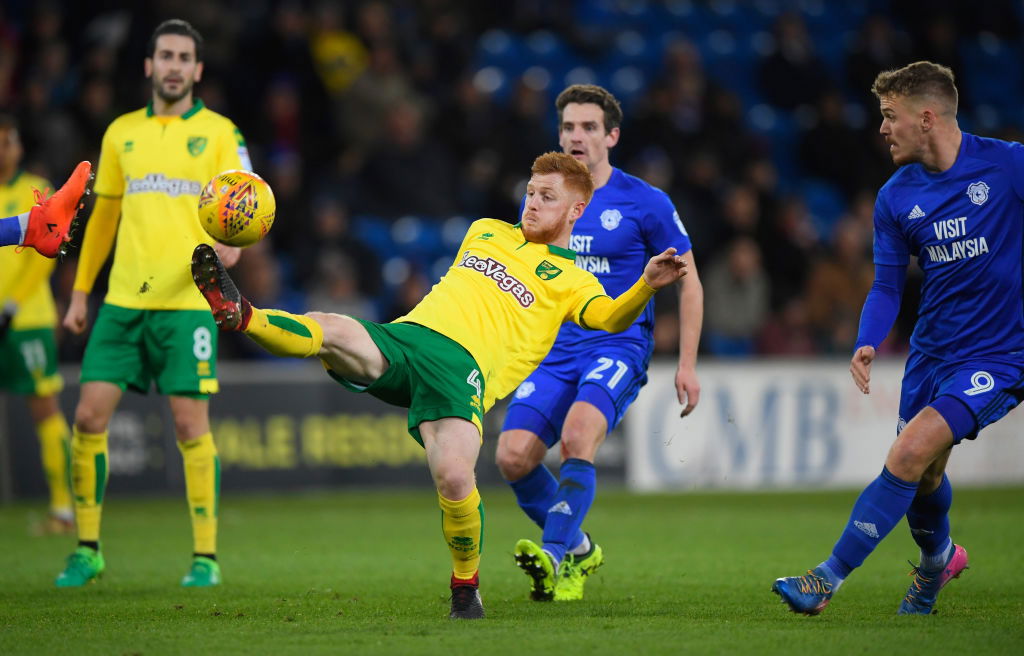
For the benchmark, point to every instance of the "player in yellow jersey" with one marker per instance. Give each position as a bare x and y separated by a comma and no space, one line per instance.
482,329
154,327
28,317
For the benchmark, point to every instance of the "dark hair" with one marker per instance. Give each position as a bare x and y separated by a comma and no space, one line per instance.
591,93
7,122
176,26
575,175
922,78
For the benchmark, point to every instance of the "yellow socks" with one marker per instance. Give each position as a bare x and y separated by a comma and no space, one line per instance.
202,485
55,451
88,481
463,526
285,334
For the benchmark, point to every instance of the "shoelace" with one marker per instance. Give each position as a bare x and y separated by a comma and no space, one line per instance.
811,583
920,580
40,196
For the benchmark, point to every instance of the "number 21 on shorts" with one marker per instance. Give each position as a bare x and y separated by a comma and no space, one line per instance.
598,373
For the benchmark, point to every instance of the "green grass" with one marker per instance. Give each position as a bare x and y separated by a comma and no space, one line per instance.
366,573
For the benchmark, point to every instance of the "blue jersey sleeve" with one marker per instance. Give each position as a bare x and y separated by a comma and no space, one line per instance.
881,306
890,243
663,227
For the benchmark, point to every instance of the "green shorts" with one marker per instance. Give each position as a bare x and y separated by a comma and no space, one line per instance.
133,348
428,373
28,362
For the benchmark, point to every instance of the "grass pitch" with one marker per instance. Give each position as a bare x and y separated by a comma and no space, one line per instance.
366,573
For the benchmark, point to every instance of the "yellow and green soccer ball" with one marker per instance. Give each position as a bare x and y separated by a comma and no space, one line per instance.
237,208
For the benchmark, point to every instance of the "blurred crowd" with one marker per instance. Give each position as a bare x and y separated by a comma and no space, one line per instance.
383,126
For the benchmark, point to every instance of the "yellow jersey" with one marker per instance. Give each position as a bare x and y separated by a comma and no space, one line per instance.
157,166
25,275
504,299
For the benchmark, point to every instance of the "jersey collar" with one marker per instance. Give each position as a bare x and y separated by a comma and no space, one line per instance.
554,250
196,106
14,178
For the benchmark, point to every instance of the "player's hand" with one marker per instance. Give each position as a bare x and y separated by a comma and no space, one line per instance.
77,317
7,313
228,254
687,389
664,269
860,367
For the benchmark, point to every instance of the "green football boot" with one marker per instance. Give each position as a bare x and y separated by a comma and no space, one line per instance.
573,573
203,573
84,565
539,566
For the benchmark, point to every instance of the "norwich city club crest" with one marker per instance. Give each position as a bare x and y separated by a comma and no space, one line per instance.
547,270
196,145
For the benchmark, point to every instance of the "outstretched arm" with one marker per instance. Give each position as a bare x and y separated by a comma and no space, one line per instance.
603,313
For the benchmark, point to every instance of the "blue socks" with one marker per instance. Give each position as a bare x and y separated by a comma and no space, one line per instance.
878,509
10,231
535,492
565,515
929,525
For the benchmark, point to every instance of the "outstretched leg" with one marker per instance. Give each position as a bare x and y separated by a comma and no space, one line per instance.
341,342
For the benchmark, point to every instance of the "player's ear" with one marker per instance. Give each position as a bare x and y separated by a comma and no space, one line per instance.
612,137
199,71
147,66
927,119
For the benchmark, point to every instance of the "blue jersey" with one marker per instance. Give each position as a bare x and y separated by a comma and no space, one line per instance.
626,223
966,227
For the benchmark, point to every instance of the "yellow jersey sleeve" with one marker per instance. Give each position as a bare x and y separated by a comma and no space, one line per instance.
109,179
504,299
158,167
25,274
603,313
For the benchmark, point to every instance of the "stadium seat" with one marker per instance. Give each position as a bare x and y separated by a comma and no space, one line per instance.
825,204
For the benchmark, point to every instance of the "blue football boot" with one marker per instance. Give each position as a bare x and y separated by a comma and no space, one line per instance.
924,590
807,594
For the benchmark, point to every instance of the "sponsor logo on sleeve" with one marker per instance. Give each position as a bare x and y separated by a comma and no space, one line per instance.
679,223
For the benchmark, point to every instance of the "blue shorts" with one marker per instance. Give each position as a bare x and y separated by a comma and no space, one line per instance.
969,395
609,378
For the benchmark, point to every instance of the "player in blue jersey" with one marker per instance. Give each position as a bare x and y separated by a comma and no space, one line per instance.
956,203
581,390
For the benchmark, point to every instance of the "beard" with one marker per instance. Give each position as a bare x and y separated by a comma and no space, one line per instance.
168,96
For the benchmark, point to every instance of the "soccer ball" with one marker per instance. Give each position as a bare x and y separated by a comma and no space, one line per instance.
237,208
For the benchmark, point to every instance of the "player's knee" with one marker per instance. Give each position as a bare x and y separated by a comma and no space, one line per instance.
518,454
454,482
580,443
186,429
908,459
90,419
513,463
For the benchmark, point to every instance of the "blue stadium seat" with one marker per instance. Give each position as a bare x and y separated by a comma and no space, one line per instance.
825,204
374,232
994,74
